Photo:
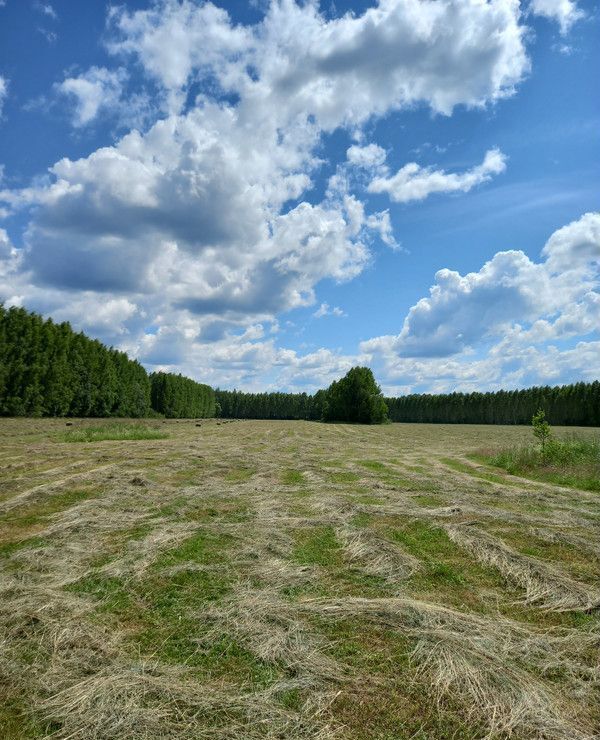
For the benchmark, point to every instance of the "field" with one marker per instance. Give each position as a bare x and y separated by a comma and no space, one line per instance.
291,580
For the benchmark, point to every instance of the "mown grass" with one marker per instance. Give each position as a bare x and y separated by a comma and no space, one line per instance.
192,605
448,574
239,475
462,467
163,610
388,703
568,462
318,546
31,513
292,478
122,432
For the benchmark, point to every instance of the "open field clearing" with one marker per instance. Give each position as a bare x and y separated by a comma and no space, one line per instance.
292,580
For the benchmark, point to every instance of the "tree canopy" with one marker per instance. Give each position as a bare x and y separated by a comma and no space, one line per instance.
355,398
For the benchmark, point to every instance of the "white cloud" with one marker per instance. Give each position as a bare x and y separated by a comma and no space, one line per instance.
413,182
575,245
368,157
3,92
326,310
564,12
557,297
381,223
6,247
190,218
98,88
344,70
46,9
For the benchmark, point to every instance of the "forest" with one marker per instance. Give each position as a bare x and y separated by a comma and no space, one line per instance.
567,405
47,369
177,397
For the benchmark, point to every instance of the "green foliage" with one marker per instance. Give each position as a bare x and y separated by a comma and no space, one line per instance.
178,397
356,398
577,404
47,369
239,405
541,428
568,462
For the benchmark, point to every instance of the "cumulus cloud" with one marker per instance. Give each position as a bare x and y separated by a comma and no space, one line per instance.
557,297
371,156
564,12
96,89
347,69
203,223
413,182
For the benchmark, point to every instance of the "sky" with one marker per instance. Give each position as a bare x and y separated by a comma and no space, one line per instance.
261,195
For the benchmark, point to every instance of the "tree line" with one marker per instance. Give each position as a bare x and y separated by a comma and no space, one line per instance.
47,369
239,405
355,398
178,397
577,404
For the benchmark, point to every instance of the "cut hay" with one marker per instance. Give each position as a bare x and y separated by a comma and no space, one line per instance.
545,586
493,665
376,555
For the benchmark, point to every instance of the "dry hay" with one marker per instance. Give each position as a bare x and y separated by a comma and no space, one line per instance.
375,555
149,700
80,666
271,629
494,665
87,681
546,586
569,538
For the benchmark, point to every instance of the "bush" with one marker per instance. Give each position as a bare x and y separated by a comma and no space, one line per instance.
573,462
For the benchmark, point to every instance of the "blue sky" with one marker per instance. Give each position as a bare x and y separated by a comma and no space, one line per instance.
260,195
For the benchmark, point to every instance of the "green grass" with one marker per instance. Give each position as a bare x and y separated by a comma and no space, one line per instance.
570,462
7,548
239,475
30,514
374,465
111,592
113,431
462,467
292,478
16,722
343,476
163,610
391,701
430,501
318,546
448,574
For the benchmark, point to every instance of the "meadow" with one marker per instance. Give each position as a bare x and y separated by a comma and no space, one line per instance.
256,579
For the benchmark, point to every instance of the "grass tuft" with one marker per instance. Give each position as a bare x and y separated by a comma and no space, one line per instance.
292,477
569,462
113,432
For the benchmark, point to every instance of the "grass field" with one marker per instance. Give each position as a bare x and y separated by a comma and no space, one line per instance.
291,580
